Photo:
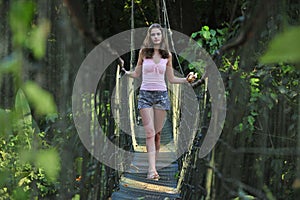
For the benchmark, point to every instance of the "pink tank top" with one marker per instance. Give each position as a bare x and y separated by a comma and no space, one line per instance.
154,75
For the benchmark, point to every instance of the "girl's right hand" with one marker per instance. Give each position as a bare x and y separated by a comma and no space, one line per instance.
124,70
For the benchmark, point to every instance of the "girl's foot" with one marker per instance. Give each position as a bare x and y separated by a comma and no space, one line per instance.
153,175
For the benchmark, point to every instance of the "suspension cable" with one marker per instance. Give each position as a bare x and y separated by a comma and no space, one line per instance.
132,54
167,25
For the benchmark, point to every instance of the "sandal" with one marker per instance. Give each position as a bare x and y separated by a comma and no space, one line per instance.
153,176
157,175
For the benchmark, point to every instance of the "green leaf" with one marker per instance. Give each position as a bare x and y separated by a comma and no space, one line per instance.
41,100
76,197
194,34
251,120
274,97
20,16
22,108
213,42
268,101
213,32
38,39
206,35
285,47
10,64
23,181
220,31
49,161
254,81
241,127
5,122
20,194
200,42
205,28
282,89
26,156
4,177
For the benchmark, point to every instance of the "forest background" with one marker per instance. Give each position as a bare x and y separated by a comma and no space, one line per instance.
255,45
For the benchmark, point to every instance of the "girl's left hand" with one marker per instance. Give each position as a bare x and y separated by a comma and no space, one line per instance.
191,77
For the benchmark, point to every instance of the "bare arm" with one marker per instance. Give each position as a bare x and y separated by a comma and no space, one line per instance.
138,69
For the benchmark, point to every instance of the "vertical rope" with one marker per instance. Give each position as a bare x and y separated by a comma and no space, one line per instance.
167,26
132,55
158,11
131,101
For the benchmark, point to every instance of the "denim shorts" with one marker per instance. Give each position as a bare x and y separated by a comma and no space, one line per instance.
155,99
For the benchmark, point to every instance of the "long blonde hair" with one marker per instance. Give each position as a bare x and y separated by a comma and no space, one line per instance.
147,47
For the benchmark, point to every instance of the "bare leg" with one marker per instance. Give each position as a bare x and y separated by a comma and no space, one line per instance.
147,115
159,120
157,141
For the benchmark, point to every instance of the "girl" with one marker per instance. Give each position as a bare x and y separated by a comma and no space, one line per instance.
154,62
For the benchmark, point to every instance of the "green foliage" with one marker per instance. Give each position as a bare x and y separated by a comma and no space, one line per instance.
28,167
261,93
38,38
20,16
41,99
47,161
285,47
76,197
210,39
266,84
5,122
25,33
10,65
20,194
269,86
24,155
22,109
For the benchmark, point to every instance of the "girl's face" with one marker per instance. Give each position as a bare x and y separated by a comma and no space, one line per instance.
156,36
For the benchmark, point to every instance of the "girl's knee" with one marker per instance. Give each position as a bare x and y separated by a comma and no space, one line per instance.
149,136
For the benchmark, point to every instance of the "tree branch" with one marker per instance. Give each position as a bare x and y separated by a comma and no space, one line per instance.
79,18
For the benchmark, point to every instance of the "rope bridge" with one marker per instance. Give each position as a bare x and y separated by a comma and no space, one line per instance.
134,185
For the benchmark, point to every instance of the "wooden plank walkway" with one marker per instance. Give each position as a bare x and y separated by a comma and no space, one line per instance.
134,185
